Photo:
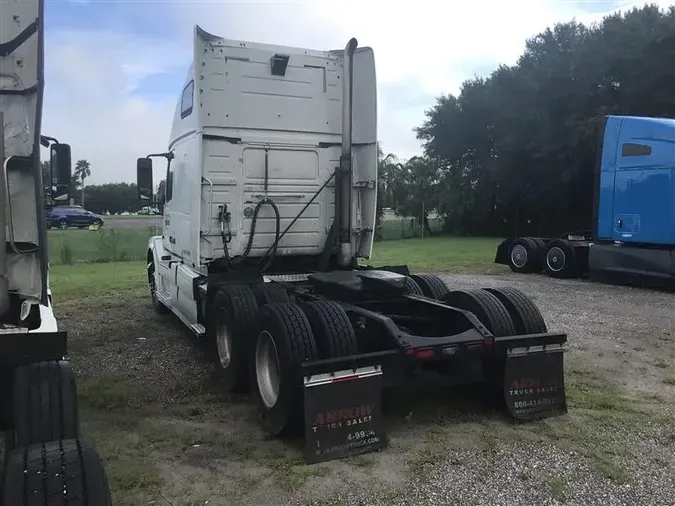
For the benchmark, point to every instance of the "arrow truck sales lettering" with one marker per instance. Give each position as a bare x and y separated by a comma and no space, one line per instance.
351,416
531,386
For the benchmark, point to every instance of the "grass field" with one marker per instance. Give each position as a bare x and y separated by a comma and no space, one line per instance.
439,253
105,245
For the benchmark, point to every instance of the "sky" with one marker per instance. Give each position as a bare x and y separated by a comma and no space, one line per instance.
114,69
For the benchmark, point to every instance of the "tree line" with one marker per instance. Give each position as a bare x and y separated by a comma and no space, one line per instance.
111,198
514,152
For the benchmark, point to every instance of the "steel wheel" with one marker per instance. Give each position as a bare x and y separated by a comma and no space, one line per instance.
555,259
267,369
223,340
519,256
63,225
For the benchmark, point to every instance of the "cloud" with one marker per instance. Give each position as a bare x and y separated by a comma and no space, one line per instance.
111,93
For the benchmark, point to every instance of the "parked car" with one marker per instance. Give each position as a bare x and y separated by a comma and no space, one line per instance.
65,217
148,210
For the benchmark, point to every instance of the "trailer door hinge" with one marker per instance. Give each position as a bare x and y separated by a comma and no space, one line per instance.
368,183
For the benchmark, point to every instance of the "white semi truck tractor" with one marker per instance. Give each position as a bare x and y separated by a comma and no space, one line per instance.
271,191
46,461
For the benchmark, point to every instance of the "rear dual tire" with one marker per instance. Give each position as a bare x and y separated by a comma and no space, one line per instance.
288,335
284,340
431,285
232,314
560,260
525,255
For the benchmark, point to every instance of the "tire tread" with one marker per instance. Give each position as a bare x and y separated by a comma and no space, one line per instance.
333,332
525,314
58,473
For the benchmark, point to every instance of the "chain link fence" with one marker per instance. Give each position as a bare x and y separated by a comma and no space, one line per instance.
394,228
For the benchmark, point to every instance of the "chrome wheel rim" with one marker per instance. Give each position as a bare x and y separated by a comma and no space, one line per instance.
223,341
519,256
555,259
267,369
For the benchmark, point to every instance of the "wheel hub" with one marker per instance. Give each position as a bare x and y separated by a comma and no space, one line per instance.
223,341
267,369
519,256
555,259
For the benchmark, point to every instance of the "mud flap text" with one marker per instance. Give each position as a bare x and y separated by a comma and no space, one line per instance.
534,384
343,415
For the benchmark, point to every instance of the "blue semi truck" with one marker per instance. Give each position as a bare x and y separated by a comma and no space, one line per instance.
632,235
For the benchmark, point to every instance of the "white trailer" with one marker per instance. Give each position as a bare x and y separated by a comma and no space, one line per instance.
44,452
271,190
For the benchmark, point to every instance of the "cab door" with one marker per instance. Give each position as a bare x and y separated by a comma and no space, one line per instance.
644,188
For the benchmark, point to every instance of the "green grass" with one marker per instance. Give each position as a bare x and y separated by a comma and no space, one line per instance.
439,253
104,245
100,282
443,253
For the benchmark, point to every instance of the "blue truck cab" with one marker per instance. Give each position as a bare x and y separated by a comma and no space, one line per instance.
635,197
633,223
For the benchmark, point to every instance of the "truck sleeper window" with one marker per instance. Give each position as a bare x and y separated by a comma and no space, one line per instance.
630,149
186,100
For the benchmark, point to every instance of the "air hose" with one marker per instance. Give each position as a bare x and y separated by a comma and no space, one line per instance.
268,257
224,217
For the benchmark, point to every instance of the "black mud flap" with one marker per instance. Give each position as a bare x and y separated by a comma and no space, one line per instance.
534,382
343,414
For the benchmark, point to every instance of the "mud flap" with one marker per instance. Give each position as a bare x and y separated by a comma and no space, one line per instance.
534,382
343,414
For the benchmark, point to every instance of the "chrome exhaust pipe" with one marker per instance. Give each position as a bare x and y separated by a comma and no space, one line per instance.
4,282
344,184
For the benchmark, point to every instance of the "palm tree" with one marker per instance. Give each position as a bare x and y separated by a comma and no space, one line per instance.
82,171
386,168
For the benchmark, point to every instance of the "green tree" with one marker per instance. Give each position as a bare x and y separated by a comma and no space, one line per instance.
515,151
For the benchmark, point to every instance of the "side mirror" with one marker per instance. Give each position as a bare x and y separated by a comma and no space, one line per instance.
60,165
144,178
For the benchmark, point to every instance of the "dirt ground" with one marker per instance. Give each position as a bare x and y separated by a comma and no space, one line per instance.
169,436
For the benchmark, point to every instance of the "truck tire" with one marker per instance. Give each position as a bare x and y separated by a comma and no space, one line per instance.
270,293
411,287
432,286
494,315
332,329
541,243
45,404
284,340
233,312
559,260
486,307
525,255
156,304
526,316
58,473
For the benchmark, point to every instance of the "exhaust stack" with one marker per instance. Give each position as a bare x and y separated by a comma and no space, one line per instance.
4,283
344,184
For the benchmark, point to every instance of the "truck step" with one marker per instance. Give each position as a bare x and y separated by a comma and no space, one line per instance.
198,329
164,297
286,278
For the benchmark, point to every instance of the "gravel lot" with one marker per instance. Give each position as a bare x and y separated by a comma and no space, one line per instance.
166,432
